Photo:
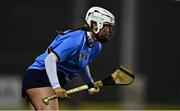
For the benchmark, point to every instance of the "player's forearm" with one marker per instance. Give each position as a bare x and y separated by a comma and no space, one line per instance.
50,65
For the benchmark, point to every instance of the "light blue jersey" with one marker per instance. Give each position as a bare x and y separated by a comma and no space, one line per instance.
73,52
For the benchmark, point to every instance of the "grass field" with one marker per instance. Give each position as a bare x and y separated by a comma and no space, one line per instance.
115,106
104,106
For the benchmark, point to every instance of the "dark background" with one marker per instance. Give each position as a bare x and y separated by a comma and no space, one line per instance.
27,27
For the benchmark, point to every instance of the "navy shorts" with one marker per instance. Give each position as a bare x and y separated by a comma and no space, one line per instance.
35,78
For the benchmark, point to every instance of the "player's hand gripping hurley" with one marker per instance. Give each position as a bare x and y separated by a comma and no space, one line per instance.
121,76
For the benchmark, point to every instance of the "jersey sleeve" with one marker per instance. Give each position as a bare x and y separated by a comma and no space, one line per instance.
85,74
66,48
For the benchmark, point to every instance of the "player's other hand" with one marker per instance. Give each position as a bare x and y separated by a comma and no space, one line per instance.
60,92
93,91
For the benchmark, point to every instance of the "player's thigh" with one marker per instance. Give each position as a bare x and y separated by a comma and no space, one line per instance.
31,106
37,94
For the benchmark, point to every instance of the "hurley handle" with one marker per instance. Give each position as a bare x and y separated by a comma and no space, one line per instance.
46,99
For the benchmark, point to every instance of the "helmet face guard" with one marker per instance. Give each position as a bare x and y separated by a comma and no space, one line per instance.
101,16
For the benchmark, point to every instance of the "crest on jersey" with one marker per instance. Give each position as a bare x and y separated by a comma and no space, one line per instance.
81,56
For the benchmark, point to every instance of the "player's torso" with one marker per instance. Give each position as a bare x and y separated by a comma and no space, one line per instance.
76,61
82,57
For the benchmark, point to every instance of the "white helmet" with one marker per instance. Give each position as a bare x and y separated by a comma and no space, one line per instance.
101,16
